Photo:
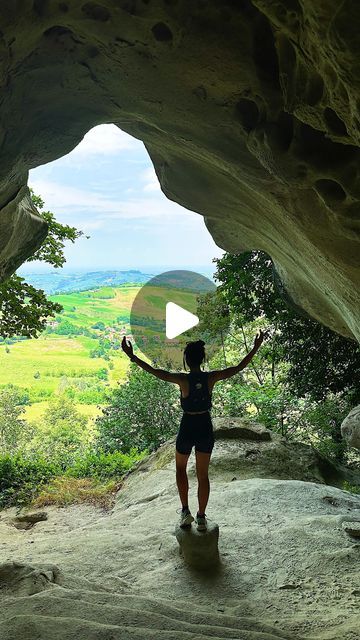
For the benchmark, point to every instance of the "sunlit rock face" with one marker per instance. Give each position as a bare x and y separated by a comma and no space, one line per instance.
249,110
350,428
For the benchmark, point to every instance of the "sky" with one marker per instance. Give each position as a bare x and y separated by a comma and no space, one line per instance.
107,187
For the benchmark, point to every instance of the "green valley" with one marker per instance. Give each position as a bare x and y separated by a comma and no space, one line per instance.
79,352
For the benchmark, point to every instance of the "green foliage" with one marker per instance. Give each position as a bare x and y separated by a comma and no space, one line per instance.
353,488
83,391
52,249
22,395
323,421
98,325
320,361
102,373
13,429
103,465
143,413
66,328
24,310
21,478
61,435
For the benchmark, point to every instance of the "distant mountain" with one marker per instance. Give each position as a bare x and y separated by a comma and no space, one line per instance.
59,282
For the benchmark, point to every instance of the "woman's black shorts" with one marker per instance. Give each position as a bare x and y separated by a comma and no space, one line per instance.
195,430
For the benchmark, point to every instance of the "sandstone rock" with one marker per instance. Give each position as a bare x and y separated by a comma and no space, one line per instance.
20,579
250,112
352,528
122,577
239,428
239,457
199,548
28,520
22,231
350,428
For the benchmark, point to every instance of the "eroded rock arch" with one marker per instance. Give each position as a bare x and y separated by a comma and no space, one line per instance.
249,111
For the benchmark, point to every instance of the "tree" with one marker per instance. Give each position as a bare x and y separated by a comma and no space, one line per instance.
13,429
24,309
320,361
61,434
143,413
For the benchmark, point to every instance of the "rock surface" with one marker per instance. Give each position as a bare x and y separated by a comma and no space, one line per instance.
199,548
288,569
352,528
28,520
241,429
249,111
18,579
350,428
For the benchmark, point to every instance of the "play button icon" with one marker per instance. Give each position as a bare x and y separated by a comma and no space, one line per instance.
166,314
178,320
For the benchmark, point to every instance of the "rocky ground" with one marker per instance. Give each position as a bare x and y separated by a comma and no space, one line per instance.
289,569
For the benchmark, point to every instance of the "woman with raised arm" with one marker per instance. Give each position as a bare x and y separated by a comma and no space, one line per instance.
196,426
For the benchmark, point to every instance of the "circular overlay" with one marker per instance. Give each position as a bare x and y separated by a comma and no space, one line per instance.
167,304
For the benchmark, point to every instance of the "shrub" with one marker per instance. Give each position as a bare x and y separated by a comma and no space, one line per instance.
64,491
90,478
104,465
61,433
143,413
352,488
20,478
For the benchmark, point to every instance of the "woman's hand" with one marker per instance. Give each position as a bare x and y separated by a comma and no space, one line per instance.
127,347
259,338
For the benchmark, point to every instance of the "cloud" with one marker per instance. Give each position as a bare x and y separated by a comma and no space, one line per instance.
106,140
92,225
76,205
61,197
151,181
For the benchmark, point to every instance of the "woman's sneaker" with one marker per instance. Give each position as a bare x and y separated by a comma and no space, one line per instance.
201,522
186,519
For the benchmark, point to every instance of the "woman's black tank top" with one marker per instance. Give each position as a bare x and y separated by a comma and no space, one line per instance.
199,398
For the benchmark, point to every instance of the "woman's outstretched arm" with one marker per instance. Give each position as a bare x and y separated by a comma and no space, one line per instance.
223,374
158,373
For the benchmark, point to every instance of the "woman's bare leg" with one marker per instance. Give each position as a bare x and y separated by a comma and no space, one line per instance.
202,468
181,476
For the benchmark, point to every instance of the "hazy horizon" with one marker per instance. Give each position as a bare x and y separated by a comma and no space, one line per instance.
43,268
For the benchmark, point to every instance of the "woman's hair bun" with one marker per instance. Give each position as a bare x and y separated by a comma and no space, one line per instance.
194,352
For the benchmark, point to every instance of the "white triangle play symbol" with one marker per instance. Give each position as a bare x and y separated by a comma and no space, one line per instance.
178,320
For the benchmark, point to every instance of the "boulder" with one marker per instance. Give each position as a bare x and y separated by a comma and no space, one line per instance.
19,579
239,428
199,548
28,520
350,428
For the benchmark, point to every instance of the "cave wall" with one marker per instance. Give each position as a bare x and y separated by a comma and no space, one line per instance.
249,111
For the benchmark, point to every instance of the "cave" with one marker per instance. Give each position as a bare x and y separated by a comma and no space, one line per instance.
199,83
250,113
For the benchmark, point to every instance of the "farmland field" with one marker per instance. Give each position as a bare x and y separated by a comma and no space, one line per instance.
55,362
79,353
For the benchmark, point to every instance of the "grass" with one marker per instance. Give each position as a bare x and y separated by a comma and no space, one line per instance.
352,488
86,308
63,491
39,364
50,356
36,410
